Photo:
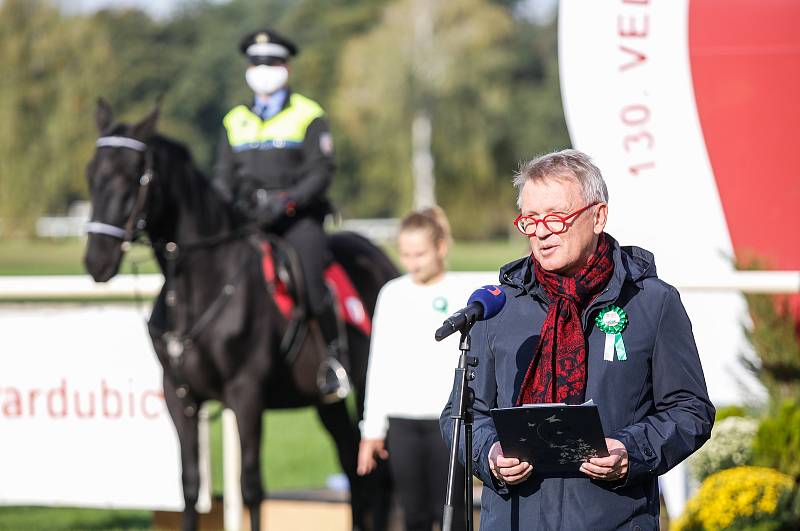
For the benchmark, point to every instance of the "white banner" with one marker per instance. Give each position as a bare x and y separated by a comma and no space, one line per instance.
82,415
626,84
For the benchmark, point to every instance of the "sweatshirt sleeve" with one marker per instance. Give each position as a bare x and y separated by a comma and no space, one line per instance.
683,414
379,369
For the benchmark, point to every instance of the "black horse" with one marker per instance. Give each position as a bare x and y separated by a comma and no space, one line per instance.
215,329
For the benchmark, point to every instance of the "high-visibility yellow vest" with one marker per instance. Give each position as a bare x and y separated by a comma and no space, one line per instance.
246,130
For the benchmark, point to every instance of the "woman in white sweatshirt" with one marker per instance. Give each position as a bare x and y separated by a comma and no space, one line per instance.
410,375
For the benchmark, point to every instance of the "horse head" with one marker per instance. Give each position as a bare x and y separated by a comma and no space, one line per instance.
119,177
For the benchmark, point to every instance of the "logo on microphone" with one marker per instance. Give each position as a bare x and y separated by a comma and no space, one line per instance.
494,290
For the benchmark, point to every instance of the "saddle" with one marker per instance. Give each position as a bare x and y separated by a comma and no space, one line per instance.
285,283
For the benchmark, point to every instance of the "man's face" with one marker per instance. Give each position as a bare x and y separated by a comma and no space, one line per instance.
567,252
268,76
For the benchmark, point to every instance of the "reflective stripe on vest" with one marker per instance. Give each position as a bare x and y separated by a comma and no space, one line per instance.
246,130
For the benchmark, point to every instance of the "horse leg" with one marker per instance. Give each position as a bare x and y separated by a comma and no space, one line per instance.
345,434
190,462
244,399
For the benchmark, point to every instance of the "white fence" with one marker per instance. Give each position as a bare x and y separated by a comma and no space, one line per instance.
55,287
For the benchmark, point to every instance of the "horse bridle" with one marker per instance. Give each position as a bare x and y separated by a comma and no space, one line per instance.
136,220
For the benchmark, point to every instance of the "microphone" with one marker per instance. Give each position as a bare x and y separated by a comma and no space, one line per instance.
485,302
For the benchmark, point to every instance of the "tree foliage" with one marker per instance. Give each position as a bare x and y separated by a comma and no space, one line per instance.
487,78
777,443
774,336
49,82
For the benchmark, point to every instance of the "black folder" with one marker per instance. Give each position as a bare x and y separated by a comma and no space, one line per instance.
555,438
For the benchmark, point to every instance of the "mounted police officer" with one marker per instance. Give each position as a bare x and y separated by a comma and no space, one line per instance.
275,164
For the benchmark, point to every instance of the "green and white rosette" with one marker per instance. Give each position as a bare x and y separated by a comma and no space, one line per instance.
440,304
613,320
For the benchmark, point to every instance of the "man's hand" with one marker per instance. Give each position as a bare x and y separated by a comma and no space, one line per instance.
611,468
273,210
508,469
367,451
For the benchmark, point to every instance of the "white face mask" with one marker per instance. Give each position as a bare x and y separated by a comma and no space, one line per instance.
263,79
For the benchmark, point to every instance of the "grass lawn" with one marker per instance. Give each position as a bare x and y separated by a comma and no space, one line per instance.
45,257
58,519
58,257
283,466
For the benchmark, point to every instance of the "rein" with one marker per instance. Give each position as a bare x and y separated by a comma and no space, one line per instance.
176,342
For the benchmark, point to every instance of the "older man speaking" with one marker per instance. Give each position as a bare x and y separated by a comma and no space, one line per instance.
585,319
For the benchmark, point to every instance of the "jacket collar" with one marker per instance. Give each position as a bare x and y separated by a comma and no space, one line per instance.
254,106
631,264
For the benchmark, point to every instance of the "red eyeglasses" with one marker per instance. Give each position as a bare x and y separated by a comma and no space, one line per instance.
553,222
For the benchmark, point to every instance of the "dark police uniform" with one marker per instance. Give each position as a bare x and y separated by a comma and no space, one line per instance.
277,171
283,166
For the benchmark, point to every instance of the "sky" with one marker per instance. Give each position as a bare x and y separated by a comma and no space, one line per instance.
156,8
538,10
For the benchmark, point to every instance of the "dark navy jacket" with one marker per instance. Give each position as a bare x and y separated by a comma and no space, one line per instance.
655,402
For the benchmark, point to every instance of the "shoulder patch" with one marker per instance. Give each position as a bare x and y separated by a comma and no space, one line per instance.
326,143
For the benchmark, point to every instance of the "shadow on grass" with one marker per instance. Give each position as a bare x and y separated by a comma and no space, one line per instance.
61,519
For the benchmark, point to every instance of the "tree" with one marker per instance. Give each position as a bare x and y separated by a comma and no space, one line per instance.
52,68
489,89
458,77
485,78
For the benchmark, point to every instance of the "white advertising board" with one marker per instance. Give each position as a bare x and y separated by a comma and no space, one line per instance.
82,416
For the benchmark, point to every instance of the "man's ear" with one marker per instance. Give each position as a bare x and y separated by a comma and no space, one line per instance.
600,218
103,115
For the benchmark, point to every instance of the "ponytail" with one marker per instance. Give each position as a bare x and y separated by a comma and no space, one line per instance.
434,220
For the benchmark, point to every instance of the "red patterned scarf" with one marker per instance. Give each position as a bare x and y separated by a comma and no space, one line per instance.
560,355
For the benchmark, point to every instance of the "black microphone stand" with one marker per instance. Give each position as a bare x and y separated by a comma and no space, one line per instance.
461,412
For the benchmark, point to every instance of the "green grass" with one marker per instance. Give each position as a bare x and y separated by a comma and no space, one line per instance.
59,257
58,519
486,256
45,257
283,466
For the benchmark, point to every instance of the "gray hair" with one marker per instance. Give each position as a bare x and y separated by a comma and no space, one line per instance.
568,163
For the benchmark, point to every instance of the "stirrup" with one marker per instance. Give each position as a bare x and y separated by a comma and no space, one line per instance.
332,381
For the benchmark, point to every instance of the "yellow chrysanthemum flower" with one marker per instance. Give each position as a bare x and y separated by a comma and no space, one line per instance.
735,496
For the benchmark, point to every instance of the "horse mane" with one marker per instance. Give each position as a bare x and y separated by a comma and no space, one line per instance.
189,183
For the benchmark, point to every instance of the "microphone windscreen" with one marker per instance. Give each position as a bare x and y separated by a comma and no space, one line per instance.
491,298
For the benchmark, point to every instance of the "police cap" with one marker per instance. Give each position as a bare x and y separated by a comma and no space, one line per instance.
264,45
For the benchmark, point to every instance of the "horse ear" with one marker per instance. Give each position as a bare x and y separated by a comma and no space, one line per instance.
103,116
147,127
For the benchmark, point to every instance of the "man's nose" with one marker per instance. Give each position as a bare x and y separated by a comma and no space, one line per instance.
542,231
